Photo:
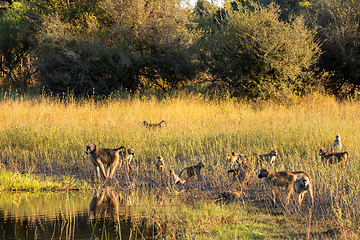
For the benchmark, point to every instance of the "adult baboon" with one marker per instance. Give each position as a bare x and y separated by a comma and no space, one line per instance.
160,165
153,125
337,143
328,158
193,170
268,158
302,186
280,179
175,179
105,156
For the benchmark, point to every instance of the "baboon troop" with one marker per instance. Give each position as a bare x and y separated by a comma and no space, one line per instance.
153,125
105,157
328,158
193,170
106,160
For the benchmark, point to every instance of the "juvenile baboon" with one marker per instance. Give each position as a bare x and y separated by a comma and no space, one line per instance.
160,165
230,195
129,156
268,158
243,171
175,179
105,156
280,179
301,186
337,143
153,125
232,160
333,157
192,170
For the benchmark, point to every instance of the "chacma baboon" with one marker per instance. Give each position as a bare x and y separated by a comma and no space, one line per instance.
105,156
280,179
193,170
243,171
175,179
333,157
160,165
268,158
244,163
337,143
153,125
230,195
232,160
301,186
129,156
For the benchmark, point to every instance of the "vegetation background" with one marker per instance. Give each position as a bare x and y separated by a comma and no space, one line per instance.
250,77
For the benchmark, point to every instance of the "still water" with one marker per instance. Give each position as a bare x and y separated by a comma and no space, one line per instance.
100,214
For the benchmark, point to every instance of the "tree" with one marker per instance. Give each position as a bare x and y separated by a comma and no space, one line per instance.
258,55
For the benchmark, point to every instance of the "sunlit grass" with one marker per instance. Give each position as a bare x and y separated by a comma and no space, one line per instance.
49,135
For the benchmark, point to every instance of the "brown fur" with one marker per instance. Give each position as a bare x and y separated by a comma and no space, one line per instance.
153,125
268,158
101,157
280,179
302,186
337,143
328,157
160,165
193,170
175,179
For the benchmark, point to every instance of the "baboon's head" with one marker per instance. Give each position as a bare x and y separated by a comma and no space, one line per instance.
131,151
242,157
145,123
90,148
337,137
160,159
172,171
274,153
322,151
263,173
201,164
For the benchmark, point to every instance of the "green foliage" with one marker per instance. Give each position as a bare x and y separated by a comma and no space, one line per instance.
258,55
15,44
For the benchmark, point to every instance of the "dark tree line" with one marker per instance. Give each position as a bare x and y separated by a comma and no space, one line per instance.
250,48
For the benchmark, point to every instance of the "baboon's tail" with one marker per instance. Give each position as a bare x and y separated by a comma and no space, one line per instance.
122,152
163,121
304,172
181,172
231,170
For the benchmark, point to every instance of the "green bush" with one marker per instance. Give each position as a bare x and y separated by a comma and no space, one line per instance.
258,55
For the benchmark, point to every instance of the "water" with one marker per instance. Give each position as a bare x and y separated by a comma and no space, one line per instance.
101,214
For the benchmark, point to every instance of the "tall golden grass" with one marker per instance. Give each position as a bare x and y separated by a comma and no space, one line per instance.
51,135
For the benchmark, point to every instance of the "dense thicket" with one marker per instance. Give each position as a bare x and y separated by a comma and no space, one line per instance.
249,48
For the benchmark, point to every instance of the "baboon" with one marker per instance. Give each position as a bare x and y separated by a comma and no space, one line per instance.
302,186
175,179
105,156
160,165
130,155
333,157
280,179
268,158
192,170
232,160
337,143
153,125
243,171
229,195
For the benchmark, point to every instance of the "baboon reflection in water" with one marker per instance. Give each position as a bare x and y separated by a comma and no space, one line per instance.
105,203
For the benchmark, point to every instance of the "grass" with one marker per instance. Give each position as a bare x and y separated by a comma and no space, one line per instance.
46,137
